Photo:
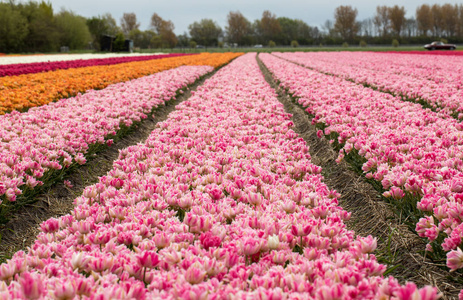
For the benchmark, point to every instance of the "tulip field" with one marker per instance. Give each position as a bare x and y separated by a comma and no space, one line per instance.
44,66
223,199
436,82
27,90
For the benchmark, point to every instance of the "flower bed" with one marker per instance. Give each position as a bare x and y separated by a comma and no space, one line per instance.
9,59
38,67
438,52
412,154
25,91
435,83
36,147
221,202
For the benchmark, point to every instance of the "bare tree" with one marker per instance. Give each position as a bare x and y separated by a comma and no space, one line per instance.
450,22
269,26
397,18
328,27
424,19
129,23
460,20
157,23
437,19
165,30
238,27
410,27
345,22
382,20
367,27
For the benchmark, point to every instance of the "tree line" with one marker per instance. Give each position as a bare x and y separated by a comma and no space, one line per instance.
431,22
35,27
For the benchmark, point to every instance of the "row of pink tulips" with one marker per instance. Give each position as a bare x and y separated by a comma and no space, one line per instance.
29,68
429,53
222,202
441,95
412,152
439,69
54,136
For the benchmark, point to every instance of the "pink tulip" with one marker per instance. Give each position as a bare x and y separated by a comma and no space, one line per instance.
148,259
79,260
7,271
84,287
215,194
50,226
254,199
161,240
300,229
65,290
130,237
250,246
80,159
195,274
31,286
455,259
209,240
289,207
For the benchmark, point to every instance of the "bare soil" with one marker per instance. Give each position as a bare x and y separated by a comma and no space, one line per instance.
21,231
397,245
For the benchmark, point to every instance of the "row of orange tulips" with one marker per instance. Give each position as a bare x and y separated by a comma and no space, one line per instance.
30,90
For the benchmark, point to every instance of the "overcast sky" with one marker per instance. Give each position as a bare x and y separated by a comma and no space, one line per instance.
184,12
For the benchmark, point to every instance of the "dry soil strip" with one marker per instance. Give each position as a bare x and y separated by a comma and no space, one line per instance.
397,245
21,231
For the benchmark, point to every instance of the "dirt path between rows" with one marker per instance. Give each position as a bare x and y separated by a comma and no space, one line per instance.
21,231
397,245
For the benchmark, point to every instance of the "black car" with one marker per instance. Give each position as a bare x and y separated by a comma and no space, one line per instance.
440,46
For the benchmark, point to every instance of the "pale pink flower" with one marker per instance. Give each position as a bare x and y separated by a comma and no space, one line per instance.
148,259
250,246
455,259
31,285
79,260
65,290
209,240
51,225
301,229
195,274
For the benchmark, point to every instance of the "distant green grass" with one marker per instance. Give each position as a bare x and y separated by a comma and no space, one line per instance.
287,49
264,49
